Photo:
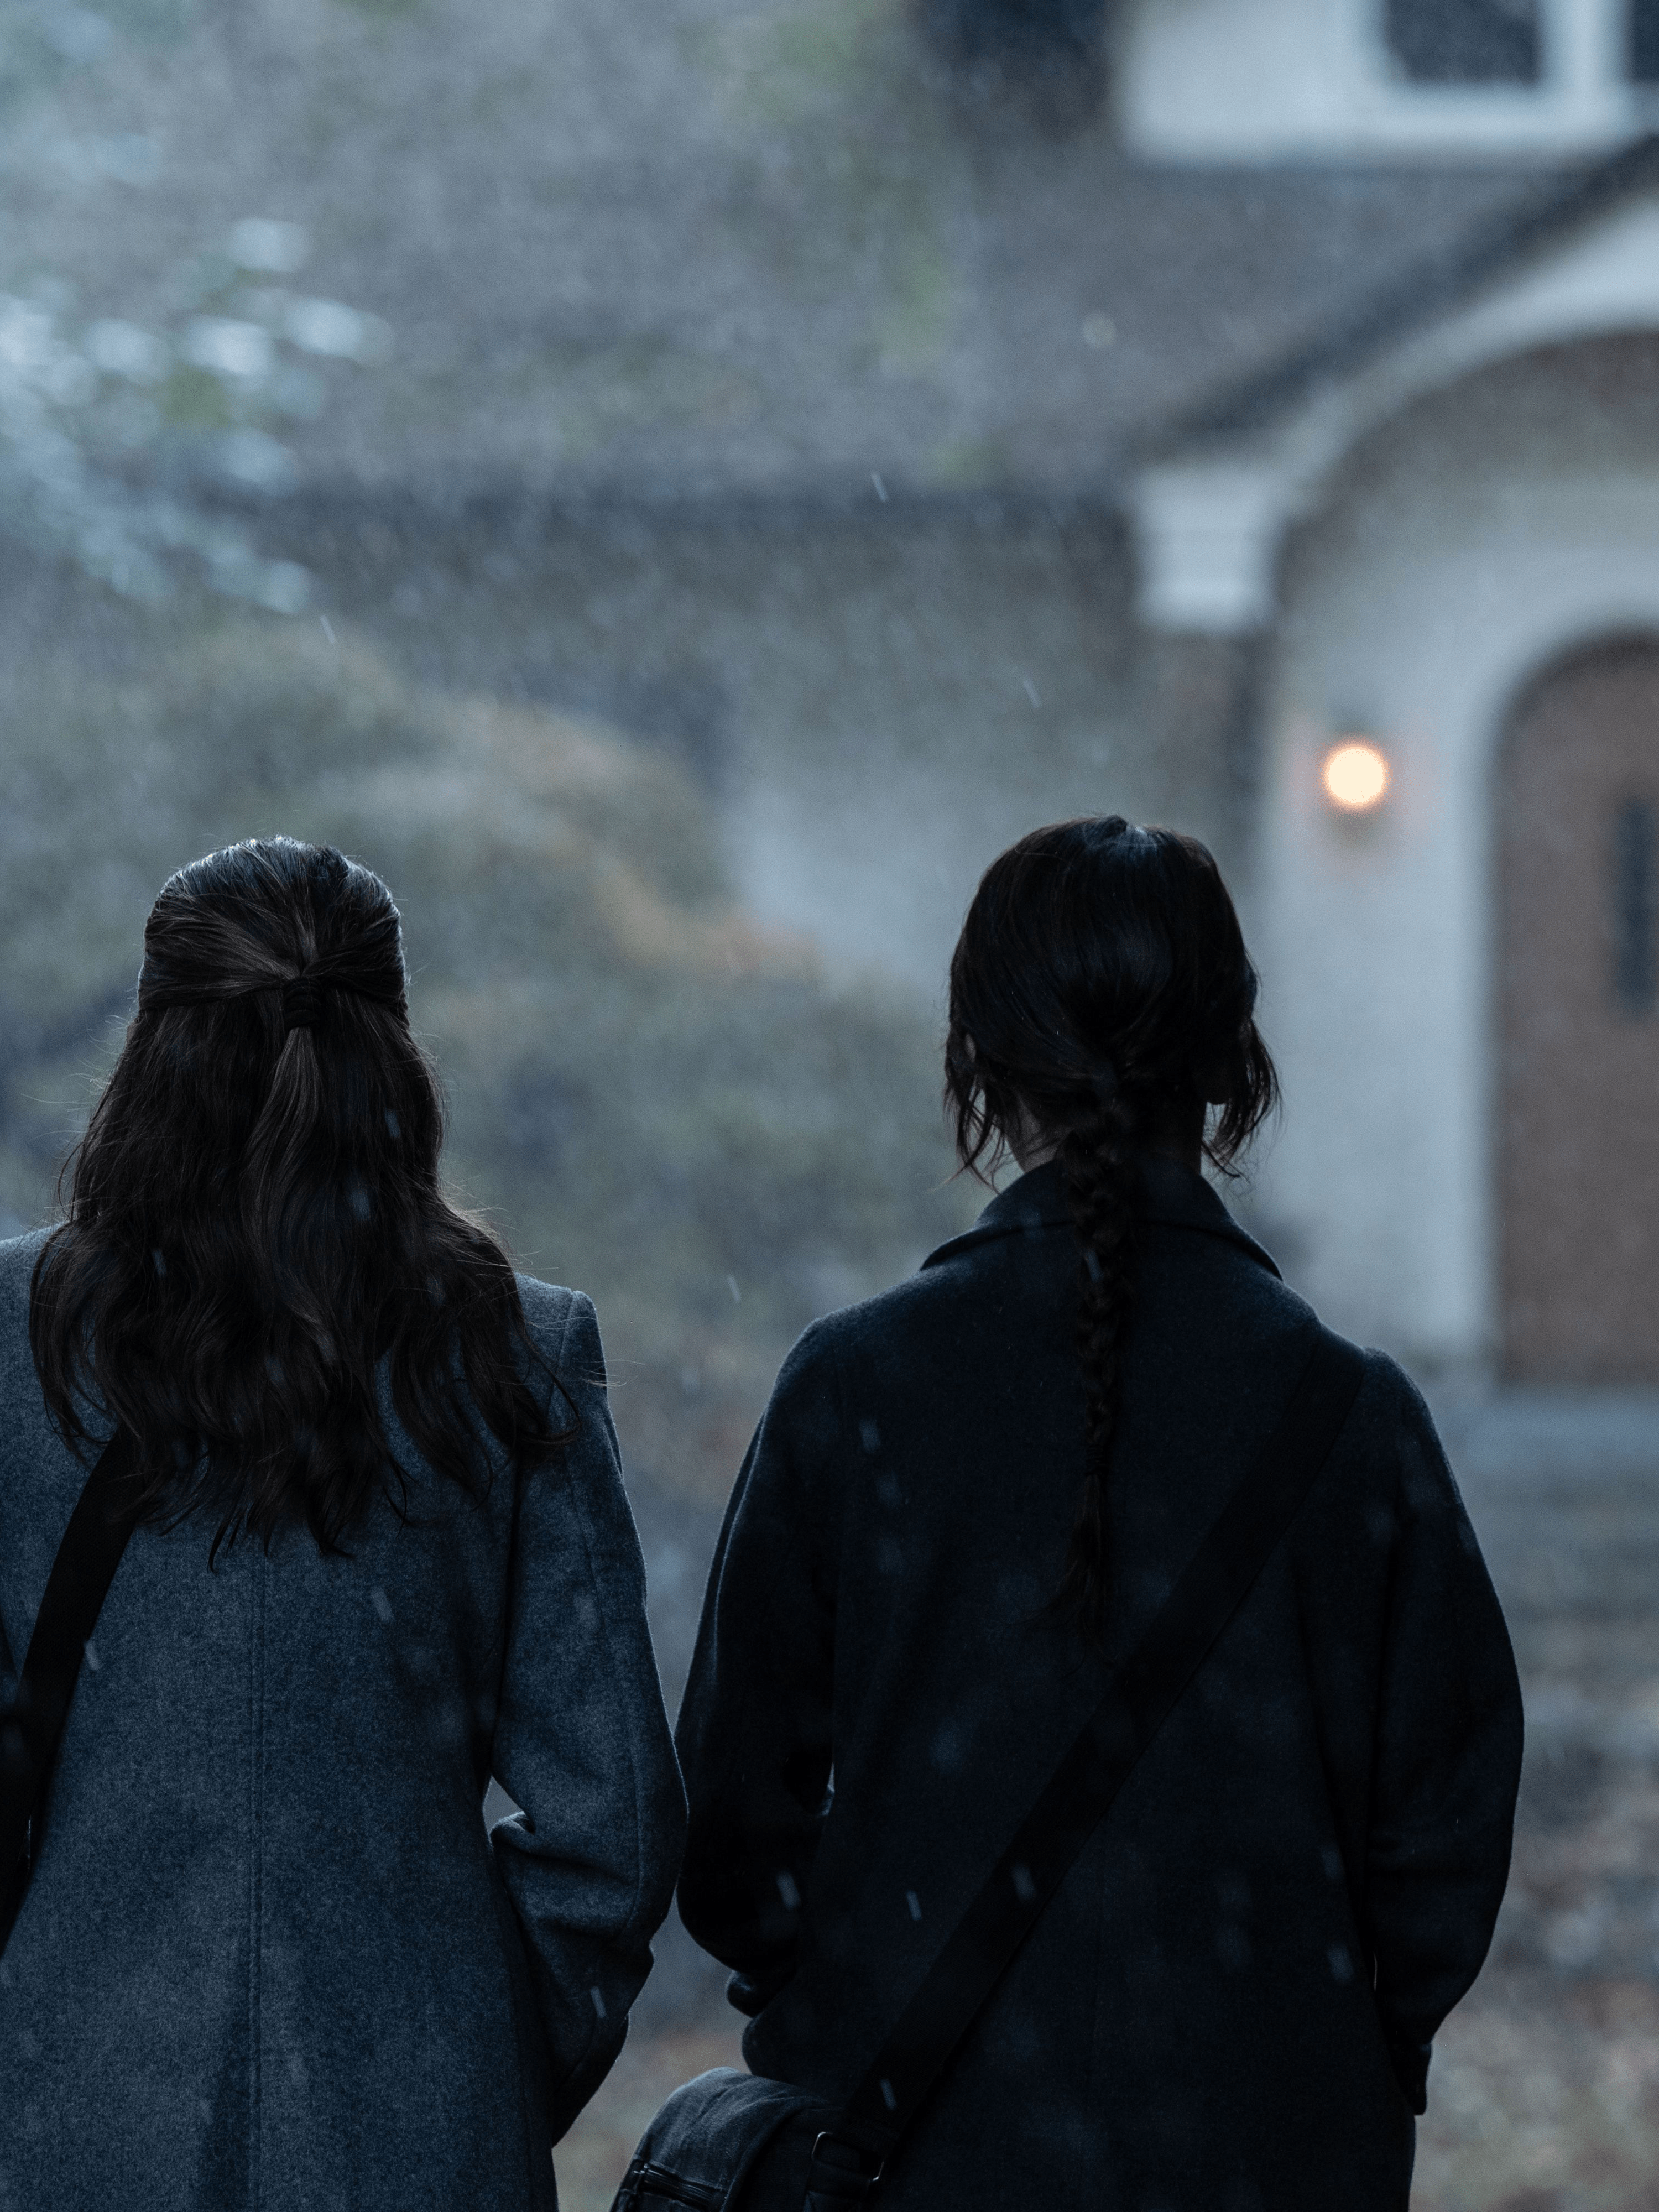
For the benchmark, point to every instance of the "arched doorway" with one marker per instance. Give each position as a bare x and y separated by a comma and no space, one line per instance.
1578,960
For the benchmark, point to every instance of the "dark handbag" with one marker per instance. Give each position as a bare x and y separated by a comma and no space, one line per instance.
31,1725
706,2141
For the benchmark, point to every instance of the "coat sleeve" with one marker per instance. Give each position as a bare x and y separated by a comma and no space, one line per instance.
581,1744
754,1726
1447,1759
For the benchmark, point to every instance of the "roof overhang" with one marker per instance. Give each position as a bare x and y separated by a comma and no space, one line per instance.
1212,499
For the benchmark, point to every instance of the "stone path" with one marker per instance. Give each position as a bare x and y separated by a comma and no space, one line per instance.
1545,2092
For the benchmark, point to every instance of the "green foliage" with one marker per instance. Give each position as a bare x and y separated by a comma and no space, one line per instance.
85,402
153,22
653,1097
45,42
193,399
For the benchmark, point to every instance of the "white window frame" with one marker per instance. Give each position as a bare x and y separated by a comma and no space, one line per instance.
1583,95
1548,24
1222,81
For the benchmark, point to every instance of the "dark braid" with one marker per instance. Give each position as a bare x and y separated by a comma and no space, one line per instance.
1101,1001
1103,1180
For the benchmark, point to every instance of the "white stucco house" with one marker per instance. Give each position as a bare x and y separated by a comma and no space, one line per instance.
1439,517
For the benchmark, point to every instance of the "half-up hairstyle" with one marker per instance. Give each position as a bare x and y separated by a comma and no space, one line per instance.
1102,1001
254,1220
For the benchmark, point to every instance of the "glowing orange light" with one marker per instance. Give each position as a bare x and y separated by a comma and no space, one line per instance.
1355,776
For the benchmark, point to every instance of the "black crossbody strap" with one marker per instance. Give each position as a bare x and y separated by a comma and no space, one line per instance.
32,1723
1142,1694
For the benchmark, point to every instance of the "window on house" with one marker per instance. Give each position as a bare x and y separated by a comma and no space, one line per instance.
1466,41
1635,895
1643,47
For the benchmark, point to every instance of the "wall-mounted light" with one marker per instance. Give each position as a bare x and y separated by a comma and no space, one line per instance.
1355,776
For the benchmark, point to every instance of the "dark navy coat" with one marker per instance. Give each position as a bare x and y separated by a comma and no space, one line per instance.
1228,2006
271,1961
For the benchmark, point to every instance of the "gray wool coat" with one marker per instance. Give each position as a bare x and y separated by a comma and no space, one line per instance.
271,1961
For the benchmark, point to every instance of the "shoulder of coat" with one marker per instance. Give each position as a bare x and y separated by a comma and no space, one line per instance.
546,1308
839,1338
17,1257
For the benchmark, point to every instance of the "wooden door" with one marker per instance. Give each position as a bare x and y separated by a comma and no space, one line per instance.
1578,957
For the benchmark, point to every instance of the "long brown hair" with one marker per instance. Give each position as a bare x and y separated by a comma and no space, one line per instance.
254,1221
1100,995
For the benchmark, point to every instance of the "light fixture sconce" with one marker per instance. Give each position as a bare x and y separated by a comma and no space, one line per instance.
1355,776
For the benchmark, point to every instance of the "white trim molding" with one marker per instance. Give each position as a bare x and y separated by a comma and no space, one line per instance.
1209,525
1207,535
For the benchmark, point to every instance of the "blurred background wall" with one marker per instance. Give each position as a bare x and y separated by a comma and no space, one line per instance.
906,419
677,487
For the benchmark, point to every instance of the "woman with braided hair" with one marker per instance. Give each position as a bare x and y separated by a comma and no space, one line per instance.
974,1504
1102,1061
264,1953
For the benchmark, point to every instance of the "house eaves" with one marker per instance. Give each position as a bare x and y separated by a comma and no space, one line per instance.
1413,303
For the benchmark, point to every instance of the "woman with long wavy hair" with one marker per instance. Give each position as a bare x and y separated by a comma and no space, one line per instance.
971,1502
268,1956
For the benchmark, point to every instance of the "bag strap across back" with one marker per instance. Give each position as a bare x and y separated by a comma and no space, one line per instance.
31,1725
1142,1693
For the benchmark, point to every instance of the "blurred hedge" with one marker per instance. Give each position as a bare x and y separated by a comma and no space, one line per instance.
654,1098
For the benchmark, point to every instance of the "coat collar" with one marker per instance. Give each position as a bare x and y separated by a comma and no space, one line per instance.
1175,1198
